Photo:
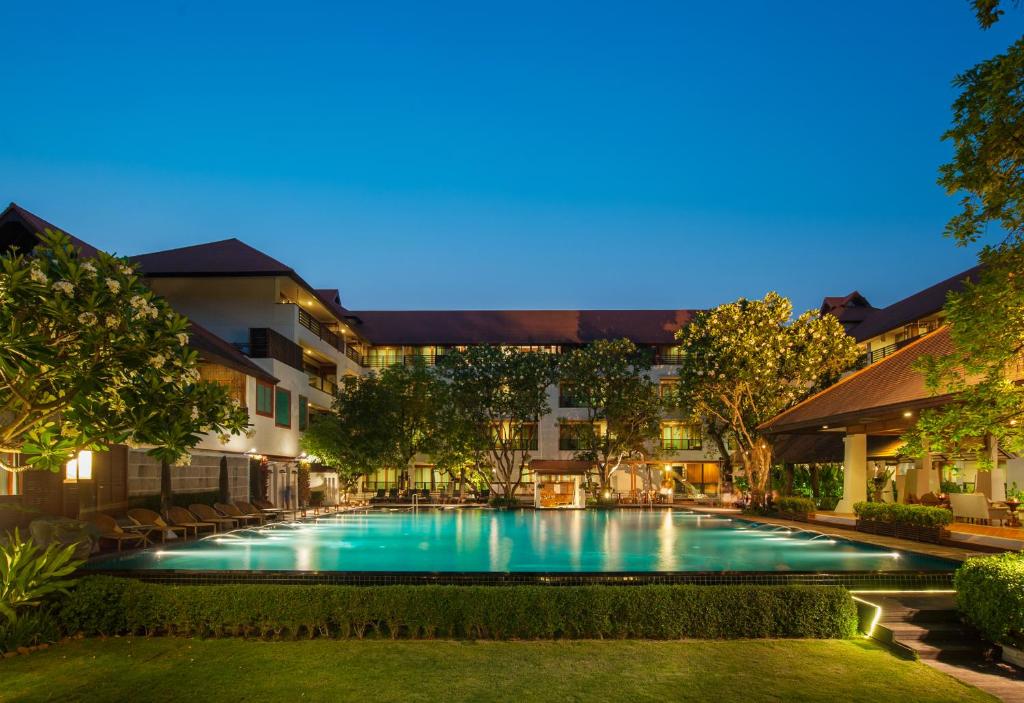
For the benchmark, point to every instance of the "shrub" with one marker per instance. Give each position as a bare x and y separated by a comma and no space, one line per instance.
29,576
900,514
34,627
795,504
990,594
106,605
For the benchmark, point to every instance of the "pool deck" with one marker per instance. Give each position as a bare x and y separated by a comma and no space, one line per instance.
950,549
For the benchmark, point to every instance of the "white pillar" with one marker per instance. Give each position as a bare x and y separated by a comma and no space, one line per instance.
855,471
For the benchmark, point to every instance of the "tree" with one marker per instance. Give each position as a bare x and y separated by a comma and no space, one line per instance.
378,421
747,361
502,392
609,378
459,449
89,356
986,318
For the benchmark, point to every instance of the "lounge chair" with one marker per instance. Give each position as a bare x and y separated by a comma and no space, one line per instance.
232,511
250,509
393,495
180,517
144,517
268,507
109,529
208,514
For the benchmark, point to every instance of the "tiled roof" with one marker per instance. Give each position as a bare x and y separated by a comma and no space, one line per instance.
522,327
35,225
849,309
914,307
214,349
827,447
227,257
887,384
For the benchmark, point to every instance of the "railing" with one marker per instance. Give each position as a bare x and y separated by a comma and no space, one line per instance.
874,355
354,355
675,443
265,343
320,330
383,361
322,384
666,359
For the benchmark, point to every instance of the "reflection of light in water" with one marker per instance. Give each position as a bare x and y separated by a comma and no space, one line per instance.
612,546
575,538
666,543
304,558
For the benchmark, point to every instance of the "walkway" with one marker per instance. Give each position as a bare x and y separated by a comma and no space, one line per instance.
927,626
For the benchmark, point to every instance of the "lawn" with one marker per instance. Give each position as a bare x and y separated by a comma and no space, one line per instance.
168,669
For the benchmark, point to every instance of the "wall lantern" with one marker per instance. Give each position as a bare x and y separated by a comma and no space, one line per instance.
79,468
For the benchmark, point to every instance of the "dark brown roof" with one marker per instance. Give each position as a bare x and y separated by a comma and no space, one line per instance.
914,307
16,216
560,466
216,350
426,327
885,385
228,257
849,309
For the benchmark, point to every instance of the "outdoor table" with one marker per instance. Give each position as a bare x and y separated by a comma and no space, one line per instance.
143,530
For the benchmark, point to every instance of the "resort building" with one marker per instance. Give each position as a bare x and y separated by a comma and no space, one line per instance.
282,344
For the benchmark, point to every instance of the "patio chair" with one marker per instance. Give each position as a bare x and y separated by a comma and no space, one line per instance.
208,514
393,495
180,517
143,517
109,529
250,510
235,513
973,507
267,507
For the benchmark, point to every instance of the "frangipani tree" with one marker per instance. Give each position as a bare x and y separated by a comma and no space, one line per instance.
501,393
986,319
610,379
90,356
745,362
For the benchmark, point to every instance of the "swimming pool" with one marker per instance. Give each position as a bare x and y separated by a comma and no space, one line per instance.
527,542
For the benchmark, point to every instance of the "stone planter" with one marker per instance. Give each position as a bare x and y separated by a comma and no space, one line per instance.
796,517
916,533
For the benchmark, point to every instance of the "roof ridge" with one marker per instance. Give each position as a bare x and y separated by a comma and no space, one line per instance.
852,376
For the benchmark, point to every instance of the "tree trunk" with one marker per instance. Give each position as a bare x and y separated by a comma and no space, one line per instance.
165,487
723,451
462,483
815,481
223,485
787,475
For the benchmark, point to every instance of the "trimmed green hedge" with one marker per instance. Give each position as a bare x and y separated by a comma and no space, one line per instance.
107,606
900,514
795,504
990,594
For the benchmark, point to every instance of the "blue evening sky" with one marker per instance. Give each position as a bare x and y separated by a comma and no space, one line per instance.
512,155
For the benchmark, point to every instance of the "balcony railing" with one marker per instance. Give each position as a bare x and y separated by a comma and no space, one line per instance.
878,354
265,343
677,443
353,354
667,359
322,384
383,361
320,330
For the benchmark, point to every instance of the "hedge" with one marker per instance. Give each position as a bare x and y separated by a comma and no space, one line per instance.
107,606
795,505
990,594
900,514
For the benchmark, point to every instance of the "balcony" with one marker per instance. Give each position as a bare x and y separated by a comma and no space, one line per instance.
381,361
323,384
666,359
265,343
680,443
874,355
320,330
353,354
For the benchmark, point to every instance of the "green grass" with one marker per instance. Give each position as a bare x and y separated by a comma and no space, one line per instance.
168,669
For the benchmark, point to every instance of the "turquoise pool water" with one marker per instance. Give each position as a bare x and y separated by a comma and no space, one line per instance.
524,541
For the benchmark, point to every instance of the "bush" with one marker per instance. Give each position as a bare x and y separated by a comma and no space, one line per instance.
900,514
990,594
106,605
34,627
796,505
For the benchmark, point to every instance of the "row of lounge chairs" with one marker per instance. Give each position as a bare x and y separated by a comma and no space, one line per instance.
184,522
